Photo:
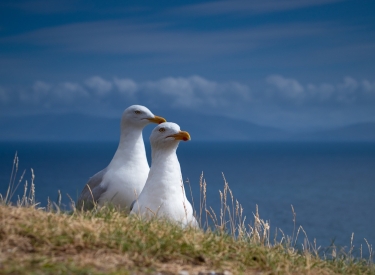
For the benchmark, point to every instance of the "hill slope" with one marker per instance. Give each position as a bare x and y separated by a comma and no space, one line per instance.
34,241
78,127
355,132
82,127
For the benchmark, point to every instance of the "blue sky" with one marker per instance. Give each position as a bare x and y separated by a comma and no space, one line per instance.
292,64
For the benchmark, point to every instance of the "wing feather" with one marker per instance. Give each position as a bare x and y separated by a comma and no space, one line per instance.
92,191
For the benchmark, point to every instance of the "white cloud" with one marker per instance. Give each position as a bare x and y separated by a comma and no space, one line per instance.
195,91
349,84
180,89
349,91
70,91
322,92
282,101
44,95
40,90
368,86
125,86
49,96
100,85
289,87
97,93
42,87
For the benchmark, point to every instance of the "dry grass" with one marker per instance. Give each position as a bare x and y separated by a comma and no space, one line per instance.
106,241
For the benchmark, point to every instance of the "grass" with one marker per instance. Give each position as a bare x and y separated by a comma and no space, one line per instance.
36,240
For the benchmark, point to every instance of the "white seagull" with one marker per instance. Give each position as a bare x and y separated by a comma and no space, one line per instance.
123,179
163,194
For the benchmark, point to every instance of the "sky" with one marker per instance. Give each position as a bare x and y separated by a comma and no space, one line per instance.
290,64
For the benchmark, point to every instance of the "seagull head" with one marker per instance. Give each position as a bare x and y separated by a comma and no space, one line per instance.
168,133
139,116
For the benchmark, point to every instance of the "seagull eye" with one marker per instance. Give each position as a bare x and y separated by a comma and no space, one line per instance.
137,112
162,130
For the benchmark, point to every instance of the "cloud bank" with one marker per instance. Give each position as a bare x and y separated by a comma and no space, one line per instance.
280,101
96,92
348,92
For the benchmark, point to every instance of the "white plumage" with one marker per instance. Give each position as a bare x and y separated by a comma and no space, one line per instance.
163,194
123,179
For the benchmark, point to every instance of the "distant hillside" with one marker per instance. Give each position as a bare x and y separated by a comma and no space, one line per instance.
355,132
59,127
78,127
83,127
217,128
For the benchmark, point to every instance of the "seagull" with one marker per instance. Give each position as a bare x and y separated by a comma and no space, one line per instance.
122,180
163,194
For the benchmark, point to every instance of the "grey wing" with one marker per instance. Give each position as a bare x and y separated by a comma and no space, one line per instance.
91,192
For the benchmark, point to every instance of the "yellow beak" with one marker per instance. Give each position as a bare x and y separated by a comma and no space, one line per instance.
157,119
182,135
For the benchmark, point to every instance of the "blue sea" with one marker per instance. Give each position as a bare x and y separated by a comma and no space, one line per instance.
330,185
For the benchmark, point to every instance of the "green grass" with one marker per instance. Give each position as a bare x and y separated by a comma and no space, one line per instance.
105,241
108,242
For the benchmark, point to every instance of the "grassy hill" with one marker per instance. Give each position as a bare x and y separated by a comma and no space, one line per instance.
106,241
34,241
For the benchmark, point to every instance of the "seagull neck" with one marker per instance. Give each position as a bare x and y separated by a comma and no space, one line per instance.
165,172
165,165
131,146
164,156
